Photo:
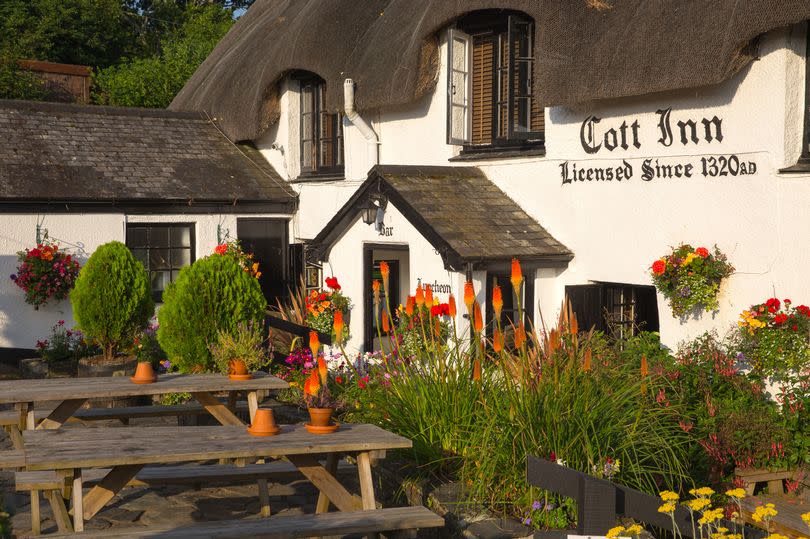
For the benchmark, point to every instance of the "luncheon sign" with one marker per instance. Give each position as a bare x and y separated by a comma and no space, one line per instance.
596,139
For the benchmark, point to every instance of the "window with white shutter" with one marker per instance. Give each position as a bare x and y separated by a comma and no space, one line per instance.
459,87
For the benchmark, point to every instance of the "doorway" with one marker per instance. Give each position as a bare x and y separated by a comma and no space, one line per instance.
268,240
398,259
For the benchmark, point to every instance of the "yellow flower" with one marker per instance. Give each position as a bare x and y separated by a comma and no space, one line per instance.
689,258
668,508
668,496
764,512
703,492
806,518
635,529
698,504
712,515
777,536
738,493
614,532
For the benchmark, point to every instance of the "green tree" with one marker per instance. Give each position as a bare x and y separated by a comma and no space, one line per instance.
86,32
155,80
16,83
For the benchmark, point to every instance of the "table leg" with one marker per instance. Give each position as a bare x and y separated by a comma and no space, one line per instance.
60,414
331,466
366,482
60,514
108,487
27,420
36,518
253,404
325,482
217,409
78,511
16,436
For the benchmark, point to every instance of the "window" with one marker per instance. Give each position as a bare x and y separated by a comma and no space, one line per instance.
806,140
321,131
620,310
163,249
490,74
510,315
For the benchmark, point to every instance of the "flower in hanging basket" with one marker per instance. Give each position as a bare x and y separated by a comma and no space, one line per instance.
690,278
45,273
774,337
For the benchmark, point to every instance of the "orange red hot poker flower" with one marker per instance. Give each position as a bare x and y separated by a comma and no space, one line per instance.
384,271
451,306
409,305
497,340
322,370
497,301
517,275
478,320
428,296
314,343
469,296
337,325
420,295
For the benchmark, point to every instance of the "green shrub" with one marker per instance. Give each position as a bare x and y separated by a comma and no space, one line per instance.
246,343
214,294
112,300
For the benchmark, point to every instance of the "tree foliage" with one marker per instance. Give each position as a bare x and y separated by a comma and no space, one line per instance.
16,83
154,81
112,299
214,294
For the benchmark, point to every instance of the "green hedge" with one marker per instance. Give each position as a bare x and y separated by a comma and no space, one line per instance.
215,293
112,299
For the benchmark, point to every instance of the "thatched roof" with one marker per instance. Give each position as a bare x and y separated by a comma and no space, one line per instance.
585,49
465,216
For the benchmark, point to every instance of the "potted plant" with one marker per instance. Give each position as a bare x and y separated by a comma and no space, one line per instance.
239,352
45,273
316,393
112,304
690,278
215,294
58,354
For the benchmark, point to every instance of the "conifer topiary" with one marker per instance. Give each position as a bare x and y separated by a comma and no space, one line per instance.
214,294
112,299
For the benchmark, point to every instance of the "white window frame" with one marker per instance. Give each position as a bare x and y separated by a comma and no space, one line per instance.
453,35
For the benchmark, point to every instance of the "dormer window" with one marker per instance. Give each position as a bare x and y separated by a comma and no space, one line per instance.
321,131
490,75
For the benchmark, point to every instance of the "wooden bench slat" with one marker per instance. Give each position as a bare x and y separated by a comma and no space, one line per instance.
173,475
283,527
12,459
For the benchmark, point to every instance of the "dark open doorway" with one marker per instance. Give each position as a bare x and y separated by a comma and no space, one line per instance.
268,240
397,257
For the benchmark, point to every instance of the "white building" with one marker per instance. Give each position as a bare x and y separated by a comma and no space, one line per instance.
584,138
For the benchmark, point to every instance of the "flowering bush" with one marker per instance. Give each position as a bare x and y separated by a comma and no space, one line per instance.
321,306
234,249
145,347
45,273
690,277
774,337
64,343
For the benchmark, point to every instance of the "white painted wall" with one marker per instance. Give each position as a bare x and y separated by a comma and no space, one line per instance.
20,325
616,229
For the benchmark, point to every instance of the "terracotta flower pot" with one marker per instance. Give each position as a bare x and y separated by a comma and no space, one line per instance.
237,370
320,421
144,373
264,423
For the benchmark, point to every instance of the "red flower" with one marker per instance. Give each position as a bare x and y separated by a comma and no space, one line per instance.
794,327
659,267
702,252
332,283
773,302
221,249
804,309
780,318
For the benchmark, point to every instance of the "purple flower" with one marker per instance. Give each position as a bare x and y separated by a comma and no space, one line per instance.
527,521
536,505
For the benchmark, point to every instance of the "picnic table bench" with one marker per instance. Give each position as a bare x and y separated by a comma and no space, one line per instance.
127,451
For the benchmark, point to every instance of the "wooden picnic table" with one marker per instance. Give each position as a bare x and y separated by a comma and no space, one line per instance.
74,392
126,451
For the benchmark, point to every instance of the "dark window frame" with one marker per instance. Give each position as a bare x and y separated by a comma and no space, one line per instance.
600,293
318,116
157,295
499,31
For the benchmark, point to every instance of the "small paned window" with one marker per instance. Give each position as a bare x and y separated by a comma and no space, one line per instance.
491,70
164,249
321,131
620,310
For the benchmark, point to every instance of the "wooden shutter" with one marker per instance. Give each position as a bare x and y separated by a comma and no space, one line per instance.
483,91
646,308
526,115
458,87
586,302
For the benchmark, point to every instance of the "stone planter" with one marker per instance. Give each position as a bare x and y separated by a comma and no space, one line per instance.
38,368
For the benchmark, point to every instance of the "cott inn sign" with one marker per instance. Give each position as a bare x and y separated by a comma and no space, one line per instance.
599,139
